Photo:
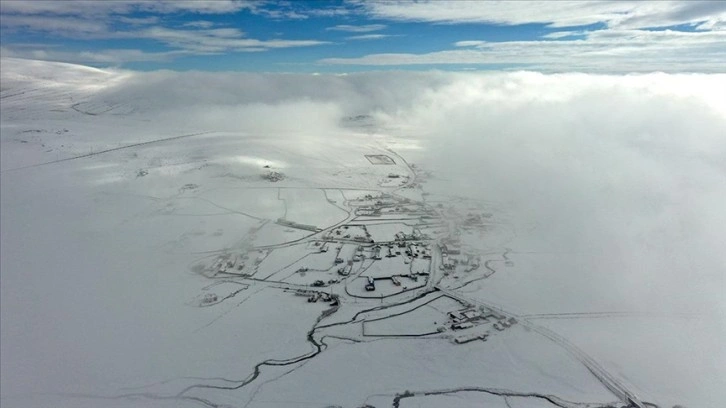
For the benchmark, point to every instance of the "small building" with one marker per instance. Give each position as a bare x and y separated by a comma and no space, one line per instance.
209,298
470,314
345,271
462,326
469,338
377,252
370,286
456,316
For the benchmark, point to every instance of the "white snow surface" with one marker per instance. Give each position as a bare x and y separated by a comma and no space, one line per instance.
608,192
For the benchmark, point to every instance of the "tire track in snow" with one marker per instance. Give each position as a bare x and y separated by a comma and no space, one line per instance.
105,151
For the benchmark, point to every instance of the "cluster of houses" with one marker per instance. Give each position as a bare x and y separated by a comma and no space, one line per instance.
412,250
354,232
415,250
209,299
469,261
383,202
473,220
447,250
229,264
469,317
322,246
452,256
370,283
416,235
273,176
368,211
314,296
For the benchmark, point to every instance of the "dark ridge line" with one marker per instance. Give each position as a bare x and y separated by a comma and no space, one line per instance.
500,393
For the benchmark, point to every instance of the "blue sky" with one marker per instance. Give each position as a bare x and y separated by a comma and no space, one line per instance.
349,36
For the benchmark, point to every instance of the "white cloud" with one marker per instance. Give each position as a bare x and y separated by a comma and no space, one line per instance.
368,37
66,26
181,41
139,20
199,24
600,51
357,28
563,34
623,14
198,6
469,43
119,56
279,13
98,8
329,12
623,46
106,57
96,20
216,40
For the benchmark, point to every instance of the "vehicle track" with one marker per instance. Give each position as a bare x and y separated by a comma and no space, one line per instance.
83,156
607,379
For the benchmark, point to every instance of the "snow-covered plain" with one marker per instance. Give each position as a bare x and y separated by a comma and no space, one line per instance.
606,193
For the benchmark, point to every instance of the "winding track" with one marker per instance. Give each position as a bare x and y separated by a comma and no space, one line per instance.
607,379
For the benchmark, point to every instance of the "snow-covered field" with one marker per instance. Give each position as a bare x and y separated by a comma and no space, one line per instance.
121,191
